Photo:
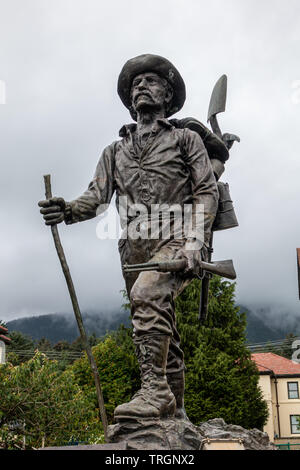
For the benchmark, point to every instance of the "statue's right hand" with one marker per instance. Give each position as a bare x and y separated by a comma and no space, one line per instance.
53,210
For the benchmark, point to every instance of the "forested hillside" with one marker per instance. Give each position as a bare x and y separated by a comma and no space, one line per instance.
58,327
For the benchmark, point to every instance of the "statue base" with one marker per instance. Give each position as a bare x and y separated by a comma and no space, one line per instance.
177,434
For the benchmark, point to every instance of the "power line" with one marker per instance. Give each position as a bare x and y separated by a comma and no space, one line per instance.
51,354
284,344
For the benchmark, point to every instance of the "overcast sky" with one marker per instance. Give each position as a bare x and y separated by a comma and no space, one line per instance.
60,61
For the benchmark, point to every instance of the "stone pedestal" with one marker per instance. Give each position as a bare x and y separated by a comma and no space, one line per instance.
106,447
176,434
155,434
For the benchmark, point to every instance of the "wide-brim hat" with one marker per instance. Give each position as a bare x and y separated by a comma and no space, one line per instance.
151,63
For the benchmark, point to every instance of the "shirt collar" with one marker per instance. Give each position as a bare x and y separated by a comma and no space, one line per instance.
130,128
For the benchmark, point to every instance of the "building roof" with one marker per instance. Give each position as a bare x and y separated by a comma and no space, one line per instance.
4,338
272,363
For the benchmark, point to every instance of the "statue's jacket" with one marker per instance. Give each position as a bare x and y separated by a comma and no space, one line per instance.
172,169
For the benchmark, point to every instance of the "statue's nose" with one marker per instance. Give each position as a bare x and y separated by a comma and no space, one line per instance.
142,84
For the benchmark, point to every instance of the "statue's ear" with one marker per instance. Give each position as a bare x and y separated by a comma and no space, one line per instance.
169,95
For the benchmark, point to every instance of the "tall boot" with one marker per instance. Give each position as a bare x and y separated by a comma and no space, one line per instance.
154,399
176,383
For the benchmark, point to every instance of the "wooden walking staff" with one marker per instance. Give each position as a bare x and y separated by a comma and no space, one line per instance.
66,271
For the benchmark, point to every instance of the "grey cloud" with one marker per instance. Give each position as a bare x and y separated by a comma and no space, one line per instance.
60,61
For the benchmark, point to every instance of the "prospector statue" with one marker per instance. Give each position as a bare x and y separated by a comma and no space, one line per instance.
157,163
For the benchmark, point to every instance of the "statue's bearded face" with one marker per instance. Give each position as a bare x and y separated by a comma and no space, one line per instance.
149,90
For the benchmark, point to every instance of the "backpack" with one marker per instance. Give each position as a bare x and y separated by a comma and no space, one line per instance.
218,154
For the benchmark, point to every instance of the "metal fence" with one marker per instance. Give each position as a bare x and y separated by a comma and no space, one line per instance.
288,446
74,442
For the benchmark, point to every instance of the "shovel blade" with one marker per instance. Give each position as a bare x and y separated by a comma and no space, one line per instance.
217,102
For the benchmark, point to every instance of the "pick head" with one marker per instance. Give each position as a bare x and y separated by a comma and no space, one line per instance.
217,102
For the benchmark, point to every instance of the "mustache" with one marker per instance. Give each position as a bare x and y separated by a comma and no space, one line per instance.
142,93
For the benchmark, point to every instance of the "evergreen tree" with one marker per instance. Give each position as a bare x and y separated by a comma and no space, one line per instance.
62,346
221,379
118,370
43,344
77,344
43,405
20,343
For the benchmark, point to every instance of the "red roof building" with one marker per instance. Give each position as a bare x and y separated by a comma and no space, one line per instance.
277,365
3,337
4,340
280,385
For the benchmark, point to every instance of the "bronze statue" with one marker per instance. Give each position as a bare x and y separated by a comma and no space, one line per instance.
157,162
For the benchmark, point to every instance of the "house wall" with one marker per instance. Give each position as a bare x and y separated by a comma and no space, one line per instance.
2,352
266,388
287,407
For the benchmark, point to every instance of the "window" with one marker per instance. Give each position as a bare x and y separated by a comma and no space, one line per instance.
295,424
293,390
